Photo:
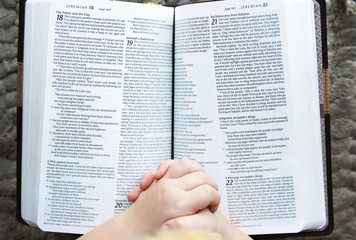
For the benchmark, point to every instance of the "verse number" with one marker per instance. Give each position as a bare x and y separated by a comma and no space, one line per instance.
59,17
214,21
229,182
264,4
119,205
129,42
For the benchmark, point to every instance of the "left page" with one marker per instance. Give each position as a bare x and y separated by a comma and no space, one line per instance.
107,103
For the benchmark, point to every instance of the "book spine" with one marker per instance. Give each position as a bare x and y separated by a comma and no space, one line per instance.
173,55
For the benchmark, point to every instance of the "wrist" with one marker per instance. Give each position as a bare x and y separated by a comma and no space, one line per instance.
228,230
139,219
116,228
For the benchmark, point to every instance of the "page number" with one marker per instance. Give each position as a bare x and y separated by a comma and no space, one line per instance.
119,205
229,182
129,42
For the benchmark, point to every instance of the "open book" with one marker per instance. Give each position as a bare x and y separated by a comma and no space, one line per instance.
111,89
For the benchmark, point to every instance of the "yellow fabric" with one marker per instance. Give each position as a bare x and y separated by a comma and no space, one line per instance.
184,235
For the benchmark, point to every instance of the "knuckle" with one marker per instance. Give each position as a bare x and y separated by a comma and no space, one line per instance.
205,192
164,189
211,193
203,176
208,190
174,209
175,224
185,161
179,205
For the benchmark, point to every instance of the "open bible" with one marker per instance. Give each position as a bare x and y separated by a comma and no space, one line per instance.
108,90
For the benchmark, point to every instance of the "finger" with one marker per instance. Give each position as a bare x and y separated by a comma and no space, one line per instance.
147,180
134,194
162,169
182,167
202,197
201,220
195,179
213,207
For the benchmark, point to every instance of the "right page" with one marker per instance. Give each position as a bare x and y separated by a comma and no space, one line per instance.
247,108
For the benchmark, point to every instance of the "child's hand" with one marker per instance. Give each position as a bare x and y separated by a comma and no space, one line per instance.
207,220
182,167
146,181
183,190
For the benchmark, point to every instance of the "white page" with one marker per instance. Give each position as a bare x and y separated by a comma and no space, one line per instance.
32,108
314,214
88,103
248,110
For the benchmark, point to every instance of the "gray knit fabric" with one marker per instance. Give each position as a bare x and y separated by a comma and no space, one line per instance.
342,64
